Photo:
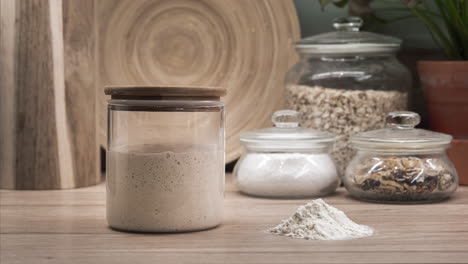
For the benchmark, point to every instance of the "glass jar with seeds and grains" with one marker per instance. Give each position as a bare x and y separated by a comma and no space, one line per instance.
401,163
346,82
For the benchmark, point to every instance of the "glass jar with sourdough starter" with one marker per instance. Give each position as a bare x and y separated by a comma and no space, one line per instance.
286,161
346,82
165,158
401,163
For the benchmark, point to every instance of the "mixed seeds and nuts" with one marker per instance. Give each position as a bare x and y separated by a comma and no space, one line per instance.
401,177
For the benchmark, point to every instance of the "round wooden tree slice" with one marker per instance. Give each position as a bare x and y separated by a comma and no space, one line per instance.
245,46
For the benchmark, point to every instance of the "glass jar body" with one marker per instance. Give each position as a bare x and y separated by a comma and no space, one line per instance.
347,94
286,174
396,178
165,165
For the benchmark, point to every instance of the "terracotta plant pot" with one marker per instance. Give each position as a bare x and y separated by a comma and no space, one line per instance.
458,154
445,87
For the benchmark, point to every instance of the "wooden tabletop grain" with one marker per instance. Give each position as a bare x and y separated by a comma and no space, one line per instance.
69,226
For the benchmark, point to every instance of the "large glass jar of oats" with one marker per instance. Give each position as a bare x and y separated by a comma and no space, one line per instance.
346,82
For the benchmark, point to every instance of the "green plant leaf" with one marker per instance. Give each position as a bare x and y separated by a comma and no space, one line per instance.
452,12
465,11
340,3
324,3
436,32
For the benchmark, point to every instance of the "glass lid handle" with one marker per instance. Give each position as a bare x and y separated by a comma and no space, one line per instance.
350,23
285,118
403,119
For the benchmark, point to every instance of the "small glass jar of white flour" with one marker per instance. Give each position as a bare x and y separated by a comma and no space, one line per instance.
287,161
165,158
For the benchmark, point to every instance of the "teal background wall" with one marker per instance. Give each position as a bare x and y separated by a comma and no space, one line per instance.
314,21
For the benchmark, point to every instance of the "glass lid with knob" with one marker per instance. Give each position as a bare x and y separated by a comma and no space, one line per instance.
401,136
347,39
286,135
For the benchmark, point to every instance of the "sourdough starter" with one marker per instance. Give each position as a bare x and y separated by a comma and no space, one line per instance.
153,189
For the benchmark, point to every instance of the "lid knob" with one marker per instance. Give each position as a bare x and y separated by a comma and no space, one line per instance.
285,118
403,119
350,23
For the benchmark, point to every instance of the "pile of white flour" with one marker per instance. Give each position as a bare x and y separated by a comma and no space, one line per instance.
319,221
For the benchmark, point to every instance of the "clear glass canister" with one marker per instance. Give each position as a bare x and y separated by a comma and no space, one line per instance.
401,164
346,82
286,161
165,158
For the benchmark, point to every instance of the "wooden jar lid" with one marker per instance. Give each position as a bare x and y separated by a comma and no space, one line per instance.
143,92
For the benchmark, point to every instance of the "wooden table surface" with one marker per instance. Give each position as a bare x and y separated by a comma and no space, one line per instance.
70,227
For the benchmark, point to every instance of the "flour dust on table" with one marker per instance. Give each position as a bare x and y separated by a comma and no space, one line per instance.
319,221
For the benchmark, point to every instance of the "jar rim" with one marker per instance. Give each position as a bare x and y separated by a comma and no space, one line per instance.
346,49
288,146
177,105
400,148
